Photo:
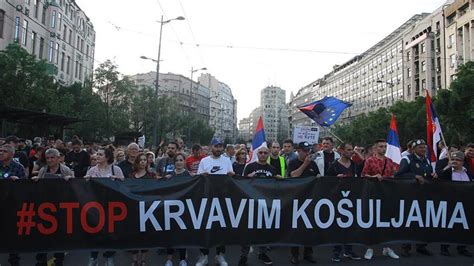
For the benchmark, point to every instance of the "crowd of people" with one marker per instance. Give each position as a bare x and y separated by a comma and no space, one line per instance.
53,158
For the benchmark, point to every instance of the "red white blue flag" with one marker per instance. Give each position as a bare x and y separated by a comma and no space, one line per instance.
257,142
433,131
393,144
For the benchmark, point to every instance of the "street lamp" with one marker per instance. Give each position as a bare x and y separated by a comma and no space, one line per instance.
157,85
390,84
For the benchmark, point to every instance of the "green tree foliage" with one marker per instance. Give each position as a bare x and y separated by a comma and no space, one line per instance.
455,109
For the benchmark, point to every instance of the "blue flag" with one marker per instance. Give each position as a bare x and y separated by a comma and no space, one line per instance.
325,112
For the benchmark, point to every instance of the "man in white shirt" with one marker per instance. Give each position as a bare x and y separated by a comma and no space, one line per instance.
215,164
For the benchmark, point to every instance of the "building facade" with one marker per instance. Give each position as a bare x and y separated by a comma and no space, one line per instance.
369,81
192,96
56,31
458,40
274,113
223,108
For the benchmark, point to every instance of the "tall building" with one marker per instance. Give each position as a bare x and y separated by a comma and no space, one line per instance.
459,43
274,113
424,57
223,108
371,80
192,96
56,31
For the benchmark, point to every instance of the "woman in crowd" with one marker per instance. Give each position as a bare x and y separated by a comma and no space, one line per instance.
151,161
105,168
140,167
240,160
179,171
119,155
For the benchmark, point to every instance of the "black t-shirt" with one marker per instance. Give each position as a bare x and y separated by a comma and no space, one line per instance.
337,168
78,162
21,158
260,170
126,167
328,160
238,168
310,170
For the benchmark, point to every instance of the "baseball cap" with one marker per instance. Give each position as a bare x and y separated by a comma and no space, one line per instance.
216,141
418,142
304,145
457,155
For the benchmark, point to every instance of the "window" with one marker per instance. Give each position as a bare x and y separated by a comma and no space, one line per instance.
68,65
451,41
24,33
80,71
57,53
82,46
33,42
423,47
51,51
87,52
423,84
78,42
453,60
64,32
60,19
62,61
53,19
41,49
409,72
408,55
423,66
43,16
36,6
70,37
409,89
76,72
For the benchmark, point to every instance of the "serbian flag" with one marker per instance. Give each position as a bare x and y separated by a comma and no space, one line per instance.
257,142
393,144
433,130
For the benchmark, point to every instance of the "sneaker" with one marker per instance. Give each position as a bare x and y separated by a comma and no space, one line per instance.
93,262
183,263
369,254
265,259
220,260
110,261
351,255
390,253
336,258
169,263
295,260
243,261
202,261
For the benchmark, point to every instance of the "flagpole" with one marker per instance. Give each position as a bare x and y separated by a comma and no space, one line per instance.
334,135
442,135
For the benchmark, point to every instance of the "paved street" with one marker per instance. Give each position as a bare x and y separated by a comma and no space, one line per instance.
280,256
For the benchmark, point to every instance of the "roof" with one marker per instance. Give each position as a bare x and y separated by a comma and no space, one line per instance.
24,116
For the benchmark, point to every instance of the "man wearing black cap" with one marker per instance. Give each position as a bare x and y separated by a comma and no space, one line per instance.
416,166
20,156
303,166
215,164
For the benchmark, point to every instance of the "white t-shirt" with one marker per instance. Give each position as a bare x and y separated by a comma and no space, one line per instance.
95,172
219,166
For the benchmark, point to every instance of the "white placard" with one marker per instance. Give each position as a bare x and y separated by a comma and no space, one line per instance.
306,133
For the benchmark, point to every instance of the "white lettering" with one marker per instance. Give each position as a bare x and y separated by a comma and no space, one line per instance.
458,209
378,211
275,214
197,221
360,220
300,212
148,215
317,209
438,216
174,215
235,219
215,214
415,214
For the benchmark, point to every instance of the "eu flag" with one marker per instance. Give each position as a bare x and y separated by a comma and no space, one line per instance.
325,112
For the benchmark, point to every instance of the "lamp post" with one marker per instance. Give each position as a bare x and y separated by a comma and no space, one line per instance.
390,84
157,81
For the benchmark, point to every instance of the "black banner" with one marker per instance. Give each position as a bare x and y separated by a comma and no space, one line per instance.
221,210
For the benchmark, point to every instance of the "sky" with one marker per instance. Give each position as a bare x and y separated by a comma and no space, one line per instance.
247,44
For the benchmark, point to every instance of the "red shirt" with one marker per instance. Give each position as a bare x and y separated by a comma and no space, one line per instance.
192,163
373,166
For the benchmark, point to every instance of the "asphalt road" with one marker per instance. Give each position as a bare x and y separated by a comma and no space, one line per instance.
280,256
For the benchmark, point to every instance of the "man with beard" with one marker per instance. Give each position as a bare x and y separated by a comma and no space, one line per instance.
192,162
78,159
416,166
278,162
344,167
327,156
259,168
165,166
215,164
